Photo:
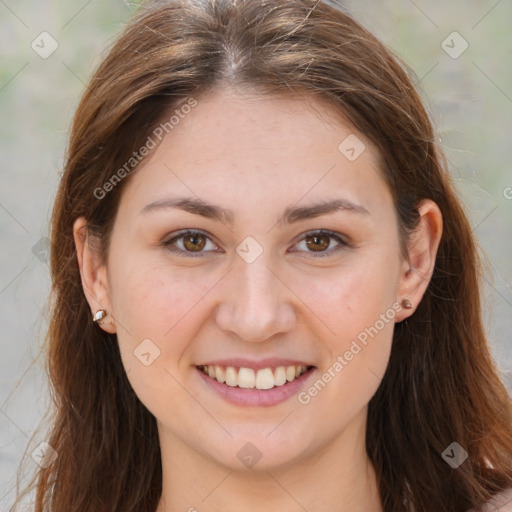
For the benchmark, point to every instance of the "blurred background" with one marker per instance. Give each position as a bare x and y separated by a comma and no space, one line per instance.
460,50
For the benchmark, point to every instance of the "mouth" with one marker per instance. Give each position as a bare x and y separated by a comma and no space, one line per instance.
249,378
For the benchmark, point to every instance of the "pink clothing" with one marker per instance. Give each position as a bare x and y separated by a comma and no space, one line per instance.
500,503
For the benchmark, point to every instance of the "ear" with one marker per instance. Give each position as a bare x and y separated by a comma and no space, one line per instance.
422,250
93,274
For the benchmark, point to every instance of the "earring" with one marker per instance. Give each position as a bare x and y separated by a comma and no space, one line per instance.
406,304
99,315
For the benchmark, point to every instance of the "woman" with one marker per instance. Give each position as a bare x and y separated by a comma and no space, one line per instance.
265,289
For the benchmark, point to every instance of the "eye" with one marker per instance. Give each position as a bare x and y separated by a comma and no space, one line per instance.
189,243
318,243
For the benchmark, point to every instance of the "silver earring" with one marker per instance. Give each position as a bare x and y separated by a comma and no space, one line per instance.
99,315
406,304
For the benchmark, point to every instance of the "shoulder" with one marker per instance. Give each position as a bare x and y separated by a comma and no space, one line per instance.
500,503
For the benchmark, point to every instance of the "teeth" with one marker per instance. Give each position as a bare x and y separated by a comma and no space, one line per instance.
231,376
220,374
246,378
264,378
290,373
280,376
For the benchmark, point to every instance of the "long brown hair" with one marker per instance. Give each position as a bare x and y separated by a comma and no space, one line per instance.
441,385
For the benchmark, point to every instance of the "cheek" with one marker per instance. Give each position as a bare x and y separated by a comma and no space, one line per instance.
152,300
351,297
155,310
356,304
157,313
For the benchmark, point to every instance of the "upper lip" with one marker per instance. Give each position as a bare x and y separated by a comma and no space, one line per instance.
270,362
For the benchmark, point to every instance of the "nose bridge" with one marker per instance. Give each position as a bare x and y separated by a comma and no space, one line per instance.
256,304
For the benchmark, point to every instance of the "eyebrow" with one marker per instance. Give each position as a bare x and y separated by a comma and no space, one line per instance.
291,214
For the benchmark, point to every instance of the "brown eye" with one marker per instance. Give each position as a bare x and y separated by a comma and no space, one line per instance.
195,242
318,242
190,243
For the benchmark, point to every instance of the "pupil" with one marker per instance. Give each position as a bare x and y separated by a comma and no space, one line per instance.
316,242
193,239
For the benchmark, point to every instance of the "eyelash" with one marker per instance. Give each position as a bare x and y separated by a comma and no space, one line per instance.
190,254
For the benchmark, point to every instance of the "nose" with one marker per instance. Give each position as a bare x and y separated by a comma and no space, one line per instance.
256,304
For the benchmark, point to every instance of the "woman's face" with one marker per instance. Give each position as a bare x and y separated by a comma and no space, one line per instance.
256,286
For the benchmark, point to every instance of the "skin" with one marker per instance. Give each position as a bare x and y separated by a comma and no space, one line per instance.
256,156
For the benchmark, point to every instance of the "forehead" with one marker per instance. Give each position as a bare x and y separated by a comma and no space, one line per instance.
254,151
226,123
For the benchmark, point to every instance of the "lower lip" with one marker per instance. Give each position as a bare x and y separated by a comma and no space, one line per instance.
256,397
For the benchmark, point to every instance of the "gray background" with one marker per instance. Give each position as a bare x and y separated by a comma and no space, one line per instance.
470,98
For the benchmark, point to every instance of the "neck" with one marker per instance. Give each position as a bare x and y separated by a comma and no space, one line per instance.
339,477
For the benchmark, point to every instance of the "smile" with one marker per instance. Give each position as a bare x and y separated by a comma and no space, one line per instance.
247,378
